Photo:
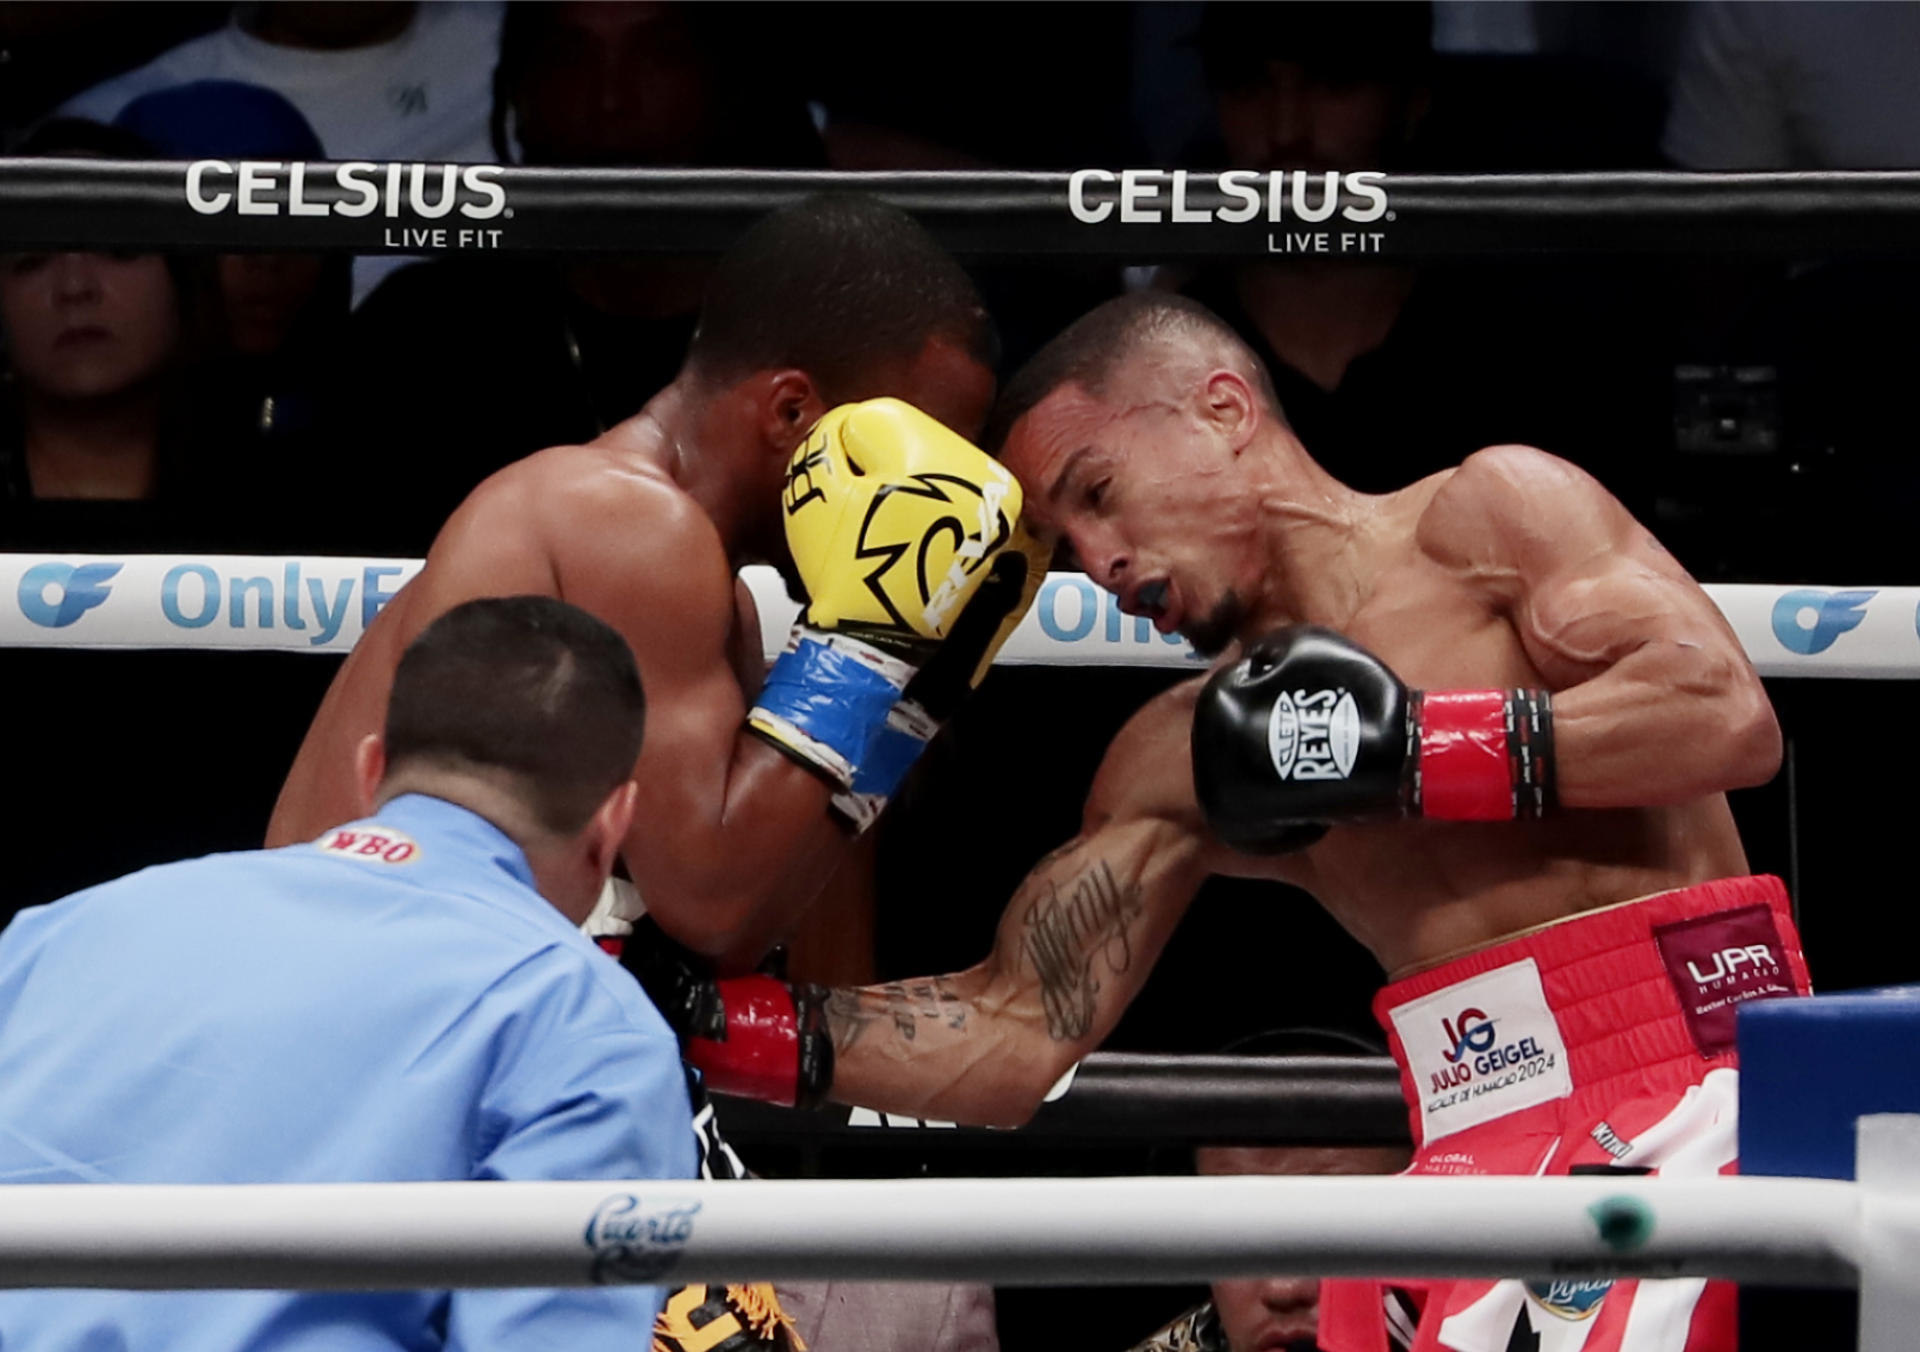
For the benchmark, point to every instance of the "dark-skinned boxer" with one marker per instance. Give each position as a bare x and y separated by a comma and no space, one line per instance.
751,792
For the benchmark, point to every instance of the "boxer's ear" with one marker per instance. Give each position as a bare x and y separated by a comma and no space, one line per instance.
369,768
1229,403
790,405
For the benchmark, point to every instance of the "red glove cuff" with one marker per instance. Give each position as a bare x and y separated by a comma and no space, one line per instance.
1483,755
760,1057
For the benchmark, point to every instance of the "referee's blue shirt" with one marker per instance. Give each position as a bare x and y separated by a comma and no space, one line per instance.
394,1002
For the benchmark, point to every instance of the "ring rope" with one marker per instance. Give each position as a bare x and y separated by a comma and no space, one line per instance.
1131,1098
314,603
1023,1231
1112,214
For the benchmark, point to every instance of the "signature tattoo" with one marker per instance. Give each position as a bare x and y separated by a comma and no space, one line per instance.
906,1004
1070,925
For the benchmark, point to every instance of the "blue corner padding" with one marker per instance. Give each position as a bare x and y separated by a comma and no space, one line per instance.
1809,1067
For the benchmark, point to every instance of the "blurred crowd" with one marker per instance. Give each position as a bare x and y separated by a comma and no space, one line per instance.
227,402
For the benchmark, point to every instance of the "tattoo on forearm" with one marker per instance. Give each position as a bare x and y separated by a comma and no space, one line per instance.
906,1004
1069,926
847,1017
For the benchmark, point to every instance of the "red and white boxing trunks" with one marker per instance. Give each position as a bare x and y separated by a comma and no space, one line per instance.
1603,1042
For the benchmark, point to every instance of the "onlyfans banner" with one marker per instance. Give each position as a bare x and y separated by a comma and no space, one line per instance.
323,604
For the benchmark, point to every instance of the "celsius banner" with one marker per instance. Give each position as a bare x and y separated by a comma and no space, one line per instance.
1112,213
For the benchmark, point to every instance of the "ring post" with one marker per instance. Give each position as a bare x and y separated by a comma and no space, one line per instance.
1887,1165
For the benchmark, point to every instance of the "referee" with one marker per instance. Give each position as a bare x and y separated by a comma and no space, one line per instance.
405,998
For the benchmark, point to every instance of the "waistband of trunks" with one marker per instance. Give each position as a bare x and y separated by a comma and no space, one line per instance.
1634,985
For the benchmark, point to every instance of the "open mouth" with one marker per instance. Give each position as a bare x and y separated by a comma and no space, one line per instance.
1156,601
1148,599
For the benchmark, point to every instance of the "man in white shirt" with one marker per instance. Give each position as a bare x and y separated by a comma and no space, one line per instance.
1796,86
377,81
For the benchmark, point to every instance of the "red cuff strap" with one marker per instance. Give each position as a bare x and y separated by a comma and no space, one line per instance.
1465,772
760,1058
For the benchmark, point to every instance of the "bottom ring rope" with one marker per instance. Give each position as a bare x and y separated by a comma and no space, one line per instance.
377,1236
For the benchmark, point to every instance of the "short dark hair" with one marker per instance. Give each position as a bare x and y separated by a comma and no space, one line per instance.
1089,350
835,286
525,684
83,138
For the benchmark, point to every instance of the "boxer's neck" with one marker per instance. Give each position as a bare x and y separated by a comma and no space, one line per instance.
1315,540
691,436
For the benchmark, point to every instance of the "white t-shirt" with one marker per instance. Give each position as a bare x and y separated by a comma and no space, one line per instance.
1797,86
423,96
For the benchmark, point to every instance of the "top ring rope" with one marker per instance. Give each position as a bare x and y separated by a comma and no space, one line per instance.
322,604
1106,213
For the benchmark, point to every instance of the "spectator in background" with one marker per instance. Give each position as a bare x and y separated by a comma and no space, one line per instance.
1276,1314
102,444
560,350
375,81
111,443
1394,371
280,316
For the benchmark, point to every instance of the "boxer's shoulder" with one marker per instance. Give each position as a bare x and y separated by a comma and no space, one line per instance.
617,538
1505,498
590,483
586,498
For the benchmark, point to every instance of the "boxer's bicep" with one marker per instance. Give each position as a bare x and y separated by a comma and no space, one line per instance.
1639,658
1656,701
673,604
730,839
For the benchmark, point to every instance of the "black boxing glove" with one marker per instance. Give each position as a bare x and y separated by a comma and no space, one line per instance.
753,1037
1308,726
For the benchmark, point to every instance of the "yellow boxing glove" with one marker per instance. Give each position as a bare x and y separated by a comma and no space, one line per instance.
906,538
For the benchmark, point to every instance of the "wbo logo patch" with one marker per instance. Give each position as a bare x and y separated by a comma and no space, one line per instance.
373,843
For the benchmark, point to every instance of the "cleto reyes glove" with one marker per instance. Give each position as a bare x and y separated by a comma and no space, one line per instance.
1309,727
908,543
753,1036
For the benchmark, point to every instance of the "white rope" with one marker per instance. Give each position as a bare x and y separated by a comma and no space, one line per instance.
1800,1232
322,604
